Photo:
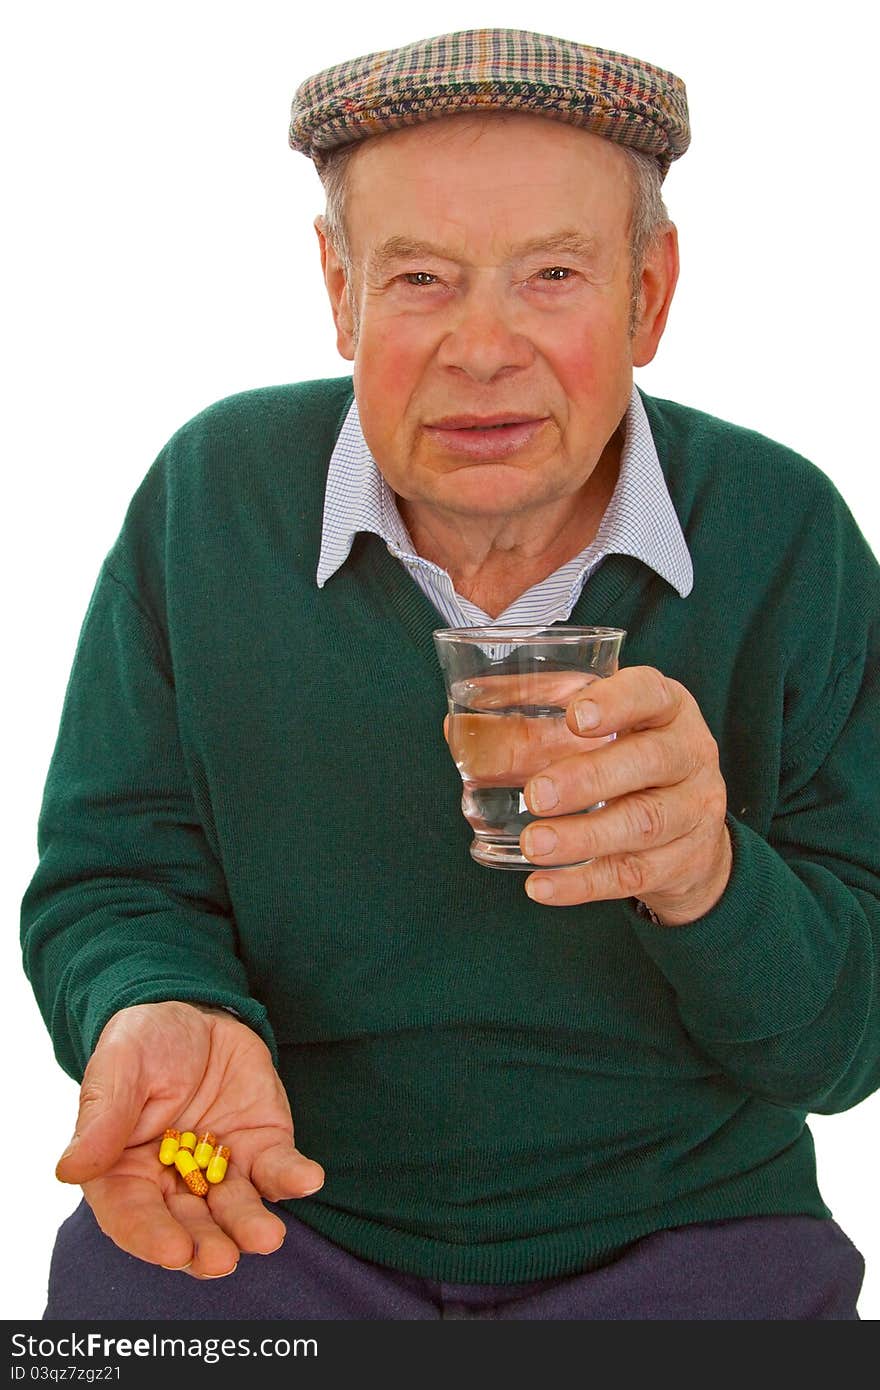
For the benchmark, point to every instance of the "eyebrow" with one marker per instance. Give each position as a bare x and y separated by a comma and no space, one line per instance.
399,248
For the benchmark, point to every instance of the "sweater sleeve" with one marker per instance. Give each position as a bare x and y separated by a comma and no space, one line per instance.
128,903
779,982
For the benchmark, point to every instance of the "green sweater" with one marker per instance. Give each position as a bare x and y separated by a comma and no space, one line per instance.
251,804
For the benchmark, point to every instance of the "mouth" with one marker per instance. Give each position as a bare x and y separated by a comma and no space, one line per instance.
483,422
487,438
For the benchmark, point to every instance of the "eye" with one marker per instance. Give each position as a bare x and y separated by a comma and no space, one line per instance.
555,272
419,277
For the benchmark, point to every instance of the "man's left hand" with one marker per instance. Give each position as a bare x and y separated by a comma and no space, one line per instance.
662,836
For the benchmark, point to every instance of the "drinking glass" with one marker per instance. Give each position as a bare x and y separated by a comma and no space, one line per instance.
507,690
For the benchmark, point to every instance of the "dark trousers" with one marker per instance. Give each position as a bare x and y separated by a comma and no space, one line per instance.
763,1267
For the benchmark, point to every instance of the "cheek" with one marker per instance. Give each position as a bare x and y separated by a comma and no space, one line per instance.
588,365
593,375
388,370
387,366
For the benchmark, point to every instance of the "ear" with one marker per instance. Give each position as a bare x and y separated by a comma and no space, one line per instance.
659,278
338,290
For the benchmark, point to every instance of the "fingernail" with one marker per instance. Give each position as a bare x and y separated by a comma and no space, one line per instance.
587,715
225,1275
67,1152
540,839
70,1148
544,794
312,1190
540,889
176,1269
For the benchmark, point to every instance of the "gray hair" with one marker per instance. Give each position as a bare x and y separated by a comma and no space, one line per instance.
648,220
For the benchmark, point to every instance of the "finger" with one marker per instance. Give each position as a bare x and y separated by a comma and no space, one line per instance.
506,750
215,1253
282,1171
635,697
631,763
133,1213
629,824
615,876
110,1105
237,1208
497,692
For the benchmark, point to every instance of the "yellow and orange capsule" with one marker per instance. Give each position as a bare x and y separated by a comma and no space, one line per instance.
205,1148
195,1181
219,1161
190,1155
169,1146
191,1173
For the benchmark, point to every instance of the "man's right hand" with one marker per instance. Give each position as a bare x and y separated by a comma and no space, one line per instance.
181,1066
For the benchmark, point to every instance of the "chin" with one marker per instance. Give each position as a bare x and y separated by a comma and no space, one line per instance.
487,489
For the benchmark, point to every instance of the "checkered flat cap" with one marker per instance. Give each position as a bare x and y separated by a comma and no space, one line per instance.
478,70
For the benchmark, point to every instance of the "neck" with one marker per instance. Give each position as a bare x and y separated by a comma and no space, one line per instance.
492,560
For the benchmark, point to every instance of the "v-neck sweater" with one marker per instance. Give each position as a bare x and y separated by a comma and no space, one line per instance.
250,803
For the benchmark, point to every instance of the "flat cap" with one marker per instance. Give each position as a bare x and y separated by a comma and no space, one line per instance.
474,70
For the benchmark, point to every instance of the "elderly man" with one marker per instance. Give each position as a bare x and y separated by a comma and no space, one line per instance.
578,1093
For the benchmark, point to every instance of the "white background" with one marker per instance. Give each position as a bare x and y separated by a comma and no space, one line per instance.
159,255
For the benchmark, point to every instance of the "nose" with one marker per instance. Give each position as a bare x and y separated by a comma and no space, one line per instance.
482,341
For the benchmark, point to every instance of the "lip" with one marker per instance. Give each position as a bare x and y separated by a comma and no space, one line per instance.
456,434
466,422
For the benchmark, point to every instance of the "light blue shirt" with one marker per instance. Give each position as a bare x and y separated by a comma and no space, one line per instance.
639,520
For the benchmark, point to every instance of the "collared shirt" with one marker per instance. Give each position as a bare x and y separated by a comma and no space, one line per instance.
639,520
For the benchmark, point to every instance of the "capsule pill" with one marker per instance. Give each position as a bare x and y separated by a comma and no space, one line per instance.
190,1171
188,1140
184,1162
205,1148
195,1181
169,1146
218,1164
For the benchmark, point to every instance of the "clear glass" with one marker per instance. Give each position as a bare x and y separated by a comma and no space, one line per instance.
508,689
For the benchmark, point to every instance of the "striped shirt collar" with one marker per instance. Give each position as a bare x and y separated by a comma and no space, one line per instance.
639,520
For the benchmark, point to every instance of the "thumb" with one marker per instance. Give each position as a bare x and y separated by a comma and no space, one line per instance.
281,1171
109,1109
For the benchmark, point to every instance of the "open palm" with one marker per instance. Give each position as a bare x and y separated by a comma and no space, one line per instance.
178,1065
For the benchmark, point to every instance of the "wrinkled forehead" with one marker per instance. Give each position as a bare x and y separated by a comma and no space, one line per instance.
474,169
